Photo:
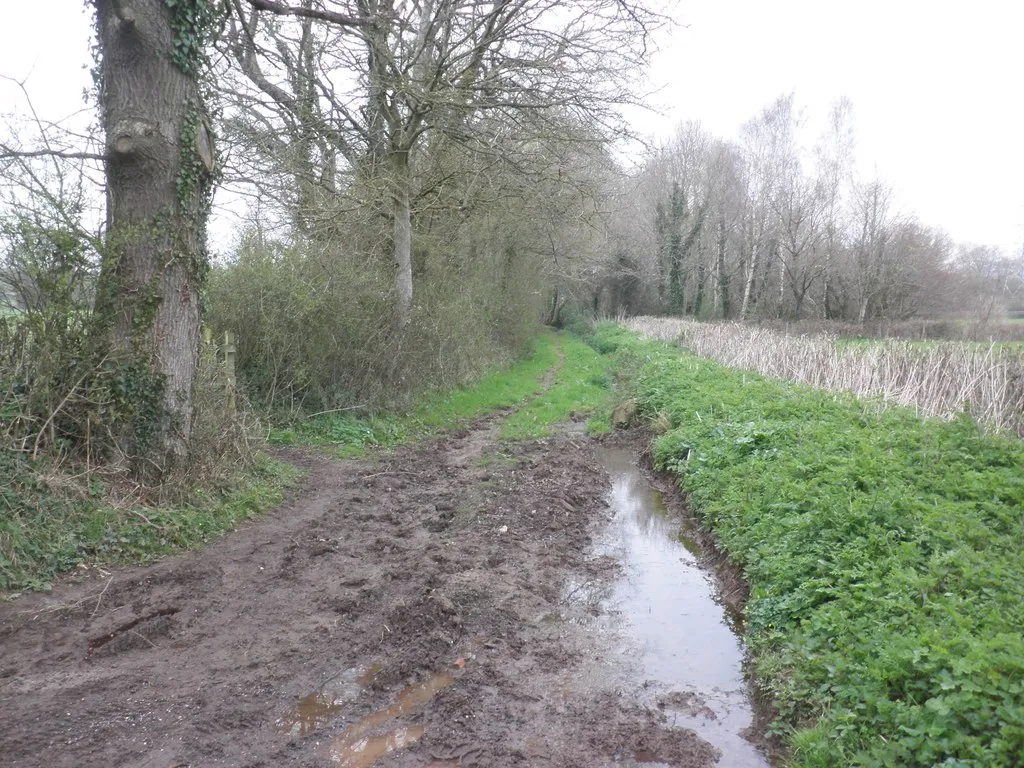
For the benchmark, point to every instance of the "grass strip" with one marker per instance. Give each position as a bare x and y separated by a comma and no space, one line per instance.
580,387
885,556
44,532
581,381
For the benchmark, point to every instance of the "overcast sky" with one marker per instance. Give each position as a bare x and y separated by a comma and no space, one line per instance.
937,87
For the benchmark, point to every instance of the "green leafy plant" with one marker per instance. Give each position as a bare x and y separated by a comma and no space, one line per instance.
884,552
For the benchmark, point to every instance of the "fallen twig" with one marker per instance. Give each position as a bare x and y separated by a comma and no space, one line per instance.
100,598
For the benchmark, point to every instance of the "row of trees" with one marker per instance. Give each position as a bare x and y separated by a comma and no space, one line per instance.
426,180
437,167
423,175
762,228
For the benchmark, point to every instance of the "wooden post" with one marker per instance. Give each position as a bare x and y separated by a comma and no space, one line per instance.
229,367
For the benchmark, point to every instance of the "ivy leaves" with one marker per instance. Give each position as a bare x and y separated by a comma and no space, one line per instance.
194,23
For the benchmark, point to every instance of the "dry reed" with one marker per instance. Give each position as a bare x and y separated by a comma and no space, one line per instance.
941,379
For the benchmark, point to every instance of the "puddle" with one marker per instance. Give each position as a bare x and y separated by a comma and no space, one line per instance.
309,714
365,751
314,711
355,749
408,700
679,645
369,675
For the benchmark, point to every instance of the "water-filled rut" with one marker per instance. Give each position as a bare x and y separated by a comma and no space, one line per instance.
678,646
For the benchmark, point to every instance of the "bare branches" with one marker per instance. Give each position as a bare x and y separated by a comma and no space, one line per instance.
7,152
49,181
331,17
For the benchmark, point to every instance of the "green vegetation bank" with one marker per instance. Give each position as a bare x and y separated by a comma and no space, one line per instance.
885,557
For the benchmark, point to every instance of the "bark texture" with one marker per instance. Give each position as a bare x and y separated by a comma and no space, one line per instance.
158,177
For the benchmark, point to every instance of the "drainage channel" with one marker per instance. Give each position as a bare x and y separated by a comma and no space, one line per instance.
680,647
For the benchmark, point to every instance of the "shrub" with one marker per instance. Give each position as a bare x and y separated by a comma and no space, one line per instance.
314,330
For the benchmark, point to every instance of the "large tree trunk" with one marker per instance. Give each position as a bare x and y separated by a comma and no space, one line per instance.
158,185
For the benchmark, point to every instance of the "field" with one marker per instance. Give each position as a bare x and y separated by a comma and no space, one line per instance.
884,552
944,379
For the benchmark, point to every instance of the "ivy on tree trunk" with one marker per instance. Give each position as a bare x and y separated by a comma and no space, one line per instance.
160,177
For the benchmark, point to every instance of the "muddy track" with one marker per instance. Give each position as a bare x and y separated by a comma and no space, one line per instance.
413,607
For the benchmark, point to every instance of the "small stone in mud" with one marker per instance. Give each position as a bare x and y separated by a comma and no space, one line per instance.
624,414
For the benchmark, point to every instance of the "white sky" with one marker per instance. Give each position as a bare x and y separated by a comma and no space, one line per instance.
937,87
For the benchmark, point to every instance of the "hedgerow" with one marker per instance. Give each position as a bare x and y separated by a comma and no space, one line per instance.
885,556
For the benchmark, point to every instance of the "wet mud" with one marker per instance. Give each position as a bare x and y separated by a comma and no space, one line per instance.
461,602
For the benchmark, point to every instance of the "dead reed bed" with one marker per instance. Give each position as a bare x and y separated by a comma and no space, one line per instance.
938,379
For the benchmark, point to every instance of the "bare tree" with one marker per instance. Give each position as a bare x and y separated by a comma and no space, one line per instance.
834,154
383,80
799,211
768,143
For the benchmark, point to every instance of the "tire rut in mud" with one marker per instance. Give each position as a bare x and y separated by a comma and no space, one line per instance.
414,604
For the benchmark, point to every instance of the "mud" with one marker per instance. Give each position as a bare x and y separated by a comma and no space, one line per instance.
420,608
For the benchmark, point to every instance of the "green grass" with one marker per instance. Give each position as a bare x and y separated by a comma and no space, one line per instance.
579,387
885,555
44,533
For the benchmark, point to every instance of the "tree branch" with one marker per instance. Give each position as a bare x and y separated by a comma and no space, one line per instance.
7,152
331,17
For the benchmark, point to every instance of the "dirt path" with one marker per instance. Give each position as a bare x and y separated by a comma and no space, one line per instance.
412,607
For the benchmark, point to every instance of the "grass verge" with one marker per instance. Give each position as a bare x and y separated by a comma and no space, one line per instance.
45,532
578,386
885,555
